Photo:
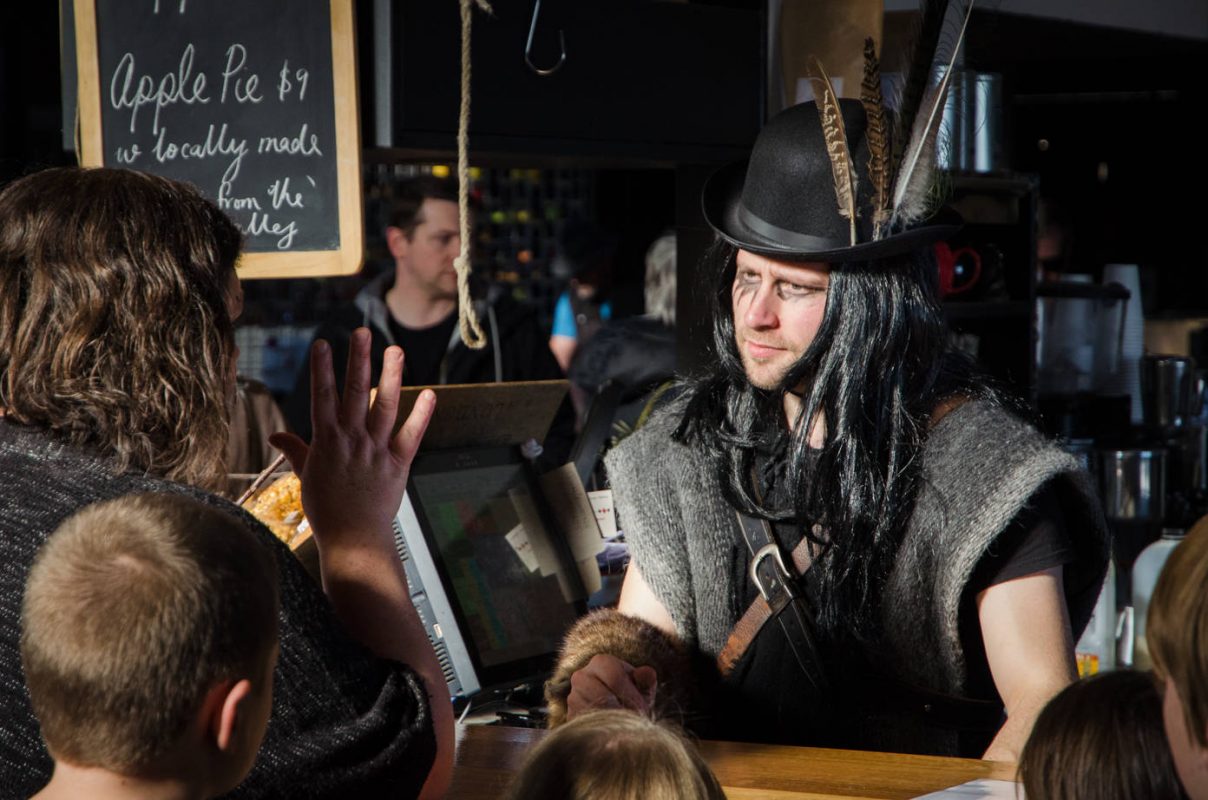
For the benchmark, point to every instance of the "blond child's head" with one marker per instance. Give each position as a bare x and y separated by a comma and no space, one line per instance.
615,755
1177,634
149,630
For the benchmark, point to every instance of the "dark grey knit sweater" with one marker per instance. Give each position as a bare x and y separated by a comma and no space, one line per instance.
980,466
344,723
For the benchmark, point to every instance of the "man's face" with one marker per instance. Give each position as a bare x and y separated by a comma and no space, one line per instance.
1190,760
427,257
778,307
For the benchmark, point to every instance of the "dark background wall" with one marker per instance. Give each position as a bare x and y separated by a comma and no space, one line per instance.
1122,164
1107,119
31,120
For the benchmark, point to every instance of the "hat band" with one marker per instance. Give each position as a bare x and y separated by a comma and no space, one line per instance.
787,238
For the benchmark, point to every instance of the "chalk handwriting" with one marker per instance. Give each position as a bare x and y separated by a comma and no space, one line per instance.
286,84
163,109
179,10
242,87
128,155
215,144
262,225
303,144
128,90
228,203
281,195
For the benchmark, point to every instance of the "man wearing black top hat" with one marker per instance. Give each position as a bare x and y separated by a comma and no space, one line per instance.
860,535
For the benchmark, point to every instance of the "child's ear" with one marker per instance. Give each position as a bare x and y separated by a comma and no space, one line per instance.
228,712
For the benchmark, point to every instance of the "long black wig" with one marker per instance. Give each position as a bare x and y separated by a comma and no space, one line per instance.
876,370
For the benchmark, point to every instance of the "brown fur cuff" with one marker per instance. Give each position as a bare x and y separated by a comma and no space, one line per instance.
632,640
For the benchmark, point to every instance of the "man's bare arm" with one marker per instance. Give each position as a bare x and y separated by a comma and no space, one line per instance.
1026,629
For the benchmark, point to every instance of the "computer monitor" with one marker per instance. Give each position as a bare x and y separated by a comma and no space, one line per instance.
492,620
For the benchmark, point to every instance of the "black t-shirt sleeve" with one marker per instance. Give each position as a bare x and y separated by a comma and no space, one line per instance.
1036,540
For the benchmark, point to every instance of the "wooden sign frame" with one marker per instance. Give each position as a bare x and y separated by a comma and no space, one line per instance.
486,414
348,259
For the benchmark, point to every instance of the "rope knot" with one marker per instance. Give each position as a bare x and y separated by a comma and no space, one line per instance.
467,320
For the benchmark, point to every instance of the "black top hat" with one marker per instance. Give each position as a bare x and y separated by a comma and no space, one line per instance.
781,203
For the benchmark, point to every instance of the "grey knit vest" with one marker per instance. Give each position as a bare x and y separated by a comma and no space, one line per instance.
980,467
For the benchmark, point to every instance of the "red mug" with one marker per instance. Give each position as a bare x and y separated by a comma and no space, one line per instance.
960,269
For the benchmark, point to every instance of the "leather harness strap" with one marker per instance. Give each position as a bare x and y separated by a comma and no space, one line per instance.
759,612
756,615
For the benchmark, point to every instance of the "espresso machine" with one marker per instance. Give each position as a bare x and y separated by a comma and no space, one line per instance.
1080,327
1172,398
1153,477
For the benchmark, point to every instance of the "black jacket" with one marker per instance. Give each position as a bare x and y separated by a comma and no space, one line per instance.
344,722
517,350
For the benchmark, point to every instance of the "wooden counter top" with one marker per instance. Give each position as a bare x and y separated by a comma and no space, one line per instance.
487,756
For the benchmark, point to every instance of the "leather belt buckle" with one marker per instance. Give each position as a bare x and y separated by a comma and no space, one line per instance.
778,592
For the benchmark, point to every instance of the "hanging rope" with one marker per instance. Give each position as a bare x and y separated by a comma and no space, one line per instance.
467,320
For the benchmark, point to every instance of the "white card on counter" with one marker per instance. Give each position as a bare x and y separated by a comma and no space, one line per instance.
981,789
538,538
521,546
601,503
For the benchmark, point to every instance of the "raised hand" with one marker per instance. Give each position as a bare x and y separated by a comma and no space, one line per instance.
353,474
354,471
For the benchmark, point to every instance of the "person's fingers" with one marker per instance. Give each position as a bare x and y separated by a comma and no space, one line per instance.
589,693
617,676
646,679
406,441
384,410
323,397
293,448
355,404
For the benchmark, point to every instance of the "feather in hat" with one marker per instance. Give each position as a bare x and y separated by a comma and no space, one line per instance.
906,186
914,180
836,143
878,137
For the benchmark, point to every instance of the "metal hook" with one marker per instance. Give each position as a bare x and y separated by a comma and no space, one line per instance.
528,47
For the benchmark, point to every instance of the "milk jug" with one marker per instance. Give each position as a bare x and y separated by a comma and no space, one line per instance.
1144,577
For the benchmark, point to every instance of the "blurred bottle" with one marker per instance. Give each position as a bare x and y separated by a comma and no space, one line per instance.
1145,576
1096,650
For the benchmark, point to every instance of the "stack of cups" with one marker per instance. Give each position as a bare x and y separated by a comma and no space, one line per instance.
1132,347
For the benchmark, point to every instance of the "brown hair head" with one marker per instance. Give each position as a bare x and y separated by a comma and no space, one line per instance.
114,331
615,755
409,197
1101,737
133,610
1177,627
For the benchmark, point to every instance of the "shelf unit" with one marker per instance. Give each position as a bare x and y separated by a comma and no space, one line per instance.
999,314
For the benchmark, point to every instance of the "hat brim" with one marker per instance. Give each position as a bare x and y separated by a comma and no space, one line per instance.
720,199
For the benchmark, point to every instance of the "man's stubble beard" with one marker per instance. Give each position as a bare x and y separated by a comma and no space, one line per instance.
759,378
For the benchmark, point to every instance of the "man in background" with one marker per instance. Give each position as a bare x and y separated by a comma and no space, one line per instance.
415,306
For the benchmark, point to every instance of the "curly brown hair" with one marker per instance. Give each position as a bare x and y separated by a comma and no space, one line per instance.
114,329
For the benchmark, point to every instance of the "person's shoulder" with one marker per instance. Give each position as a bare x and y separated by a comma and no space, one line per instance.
986,421
981,444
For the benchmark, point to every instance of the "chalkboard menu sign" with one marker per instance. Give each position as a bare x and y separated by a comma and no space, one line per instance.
253,101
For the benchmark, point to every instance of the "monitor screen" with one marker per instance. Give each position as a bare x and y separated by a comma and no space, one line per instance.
510,618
